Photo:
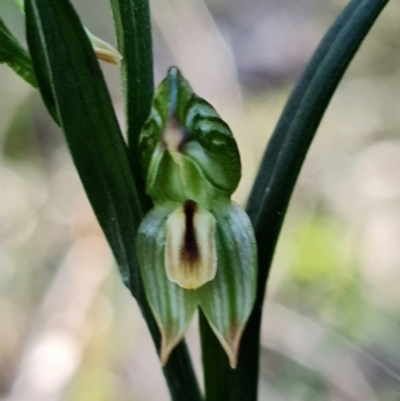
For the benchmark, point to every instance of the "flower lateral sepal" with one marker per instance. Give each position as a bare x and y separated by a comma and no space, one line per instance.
173,307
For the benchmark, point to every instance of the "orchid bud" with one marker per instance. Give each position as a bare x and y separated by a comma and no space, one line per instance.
195,248
103,50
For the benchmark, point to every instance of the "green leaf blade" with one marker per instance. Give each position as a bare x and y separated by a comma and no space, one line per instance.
15,56
69,72
133,28
278,137
312,108
289,146
57,38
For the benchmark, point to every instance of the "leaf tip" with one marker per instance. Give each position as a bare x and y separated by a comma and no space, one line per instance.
113,58
103,50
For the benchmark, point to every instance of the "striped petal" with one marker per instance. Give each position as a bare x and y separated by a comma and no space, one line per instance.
228,300
172,306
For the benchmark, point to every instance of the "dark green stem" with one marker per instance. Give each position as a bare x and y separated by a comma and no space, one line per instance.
178,372
13,54
133,27
215,364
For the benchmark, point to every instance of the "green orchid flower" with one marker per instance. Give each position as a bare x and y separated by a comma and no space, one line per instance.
196,247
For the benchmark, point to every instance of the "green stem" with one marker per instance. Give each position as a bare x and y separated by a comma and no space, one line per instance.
179,373
215,364
13,54
133,27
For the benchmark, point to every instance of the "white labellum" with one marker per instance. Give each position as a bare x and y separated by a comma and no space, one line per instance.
190,252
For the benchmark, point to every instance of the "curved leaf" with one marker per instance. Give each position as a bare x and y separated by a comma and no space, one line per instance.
288,149
286,119
68,72
15,56
88,120
309,114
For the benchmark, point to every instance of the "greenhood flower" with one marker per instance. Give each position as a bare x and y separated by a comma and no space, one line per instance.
196,247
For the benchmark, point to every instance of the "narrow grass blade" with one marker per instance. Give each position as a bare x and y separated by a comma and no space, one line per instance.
15,56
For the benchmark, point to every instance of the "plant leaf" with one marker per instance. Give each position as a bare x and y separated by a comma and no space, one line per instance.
132,22
87,119
20,4
289,147
15,56
289,112
103,50
310,112
64,58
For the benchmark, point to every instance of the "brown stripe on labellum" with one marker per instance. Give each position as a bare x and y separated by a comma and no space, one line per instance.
190,252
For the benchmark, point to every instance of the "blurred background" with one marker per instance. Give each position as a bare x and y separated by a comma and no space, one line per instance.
69,330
